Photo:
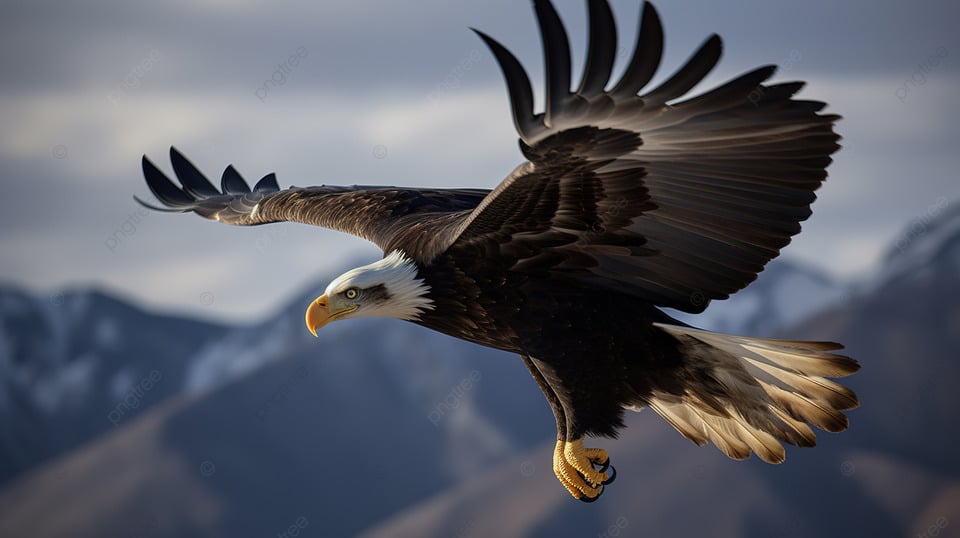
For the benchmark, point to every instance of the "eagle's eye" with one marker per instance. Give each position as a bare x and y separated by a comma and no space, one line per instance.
351,293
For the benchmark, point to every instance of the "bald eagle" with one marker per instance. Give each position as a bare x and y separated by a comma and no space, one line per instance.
632,199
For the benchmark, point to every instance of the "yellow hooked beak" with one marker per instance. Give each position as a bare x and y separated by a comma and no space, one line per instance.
319,314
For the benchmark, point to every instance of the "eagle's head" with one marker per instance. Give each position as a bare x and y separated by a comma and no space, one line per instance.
388,288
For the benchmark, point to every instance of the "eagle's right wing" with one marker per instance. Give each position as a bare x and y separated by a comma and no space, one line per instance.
673,199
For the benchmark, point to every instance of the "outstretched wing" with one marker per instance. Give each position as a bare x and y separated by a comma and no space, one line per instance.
387,216
675,200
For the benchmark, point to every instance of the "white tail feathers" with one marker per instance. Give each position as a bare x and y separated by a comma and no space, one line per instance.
749,394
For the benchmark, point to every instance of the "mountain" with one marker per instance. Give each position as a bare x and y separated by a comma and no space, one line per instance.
322,432
383,428
74,364
928,242
77,364
893,473
908,327
268,397
785,293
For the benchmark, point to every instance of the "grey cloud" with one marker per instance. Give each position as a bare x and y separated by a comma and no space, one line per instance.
365,45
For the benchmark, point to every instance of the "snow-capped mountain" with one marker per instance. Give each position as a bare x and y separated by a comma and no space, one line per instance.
929,241
70,360
76,364
244,430
893,473
783,294
363,421
79,364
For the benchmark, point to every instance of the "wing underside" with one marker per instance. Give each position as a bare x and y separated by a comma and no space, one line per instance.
675,199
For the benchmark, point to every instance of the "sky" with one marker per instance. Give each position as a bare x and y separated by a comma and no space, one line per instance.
391,93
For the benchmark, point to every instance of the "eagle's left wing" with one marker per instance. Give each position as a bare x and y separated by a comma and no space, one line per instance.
677,201
386,216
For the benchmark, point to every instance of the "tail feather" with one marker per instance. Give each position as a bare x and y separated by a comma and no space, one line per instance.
799,433
835,394
762,443
750,394
824,364
804,408
725,433
682,418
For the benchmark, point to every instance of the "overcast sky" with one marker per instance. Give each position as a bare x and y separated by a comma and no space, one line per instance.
402,93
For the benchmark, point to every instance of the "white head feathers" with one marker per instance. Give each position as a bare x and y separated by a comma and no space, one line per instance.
400,294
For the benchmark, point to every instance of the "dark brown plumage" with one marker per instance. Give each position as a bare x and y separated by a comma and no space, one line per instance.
628,202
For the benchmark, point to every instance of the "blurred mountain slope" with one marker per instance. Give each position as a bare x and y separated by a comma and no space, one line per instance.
385,428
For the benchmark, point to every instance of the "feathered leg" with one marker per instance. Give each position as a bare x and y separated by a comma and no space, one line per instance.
582,471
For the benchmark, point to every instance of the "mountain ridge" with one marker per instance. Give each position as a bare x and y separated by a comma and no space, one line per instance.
303,429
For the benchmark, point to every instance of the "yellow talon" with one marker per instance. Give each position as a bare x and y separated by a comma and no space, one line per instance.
582,459
567,475
573,465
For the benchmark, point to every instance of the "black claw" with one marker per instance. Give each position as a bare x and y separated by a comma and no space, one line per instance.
602,467
613,474
591,499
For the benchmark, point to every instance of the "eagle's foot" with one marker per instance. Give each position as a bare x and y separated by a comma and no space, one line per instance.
583,471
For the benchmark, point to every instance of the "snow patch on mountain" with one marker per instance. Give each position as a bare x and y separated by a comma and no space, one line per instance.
785,293
67,386
801,294
932,236
107,333
239,353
